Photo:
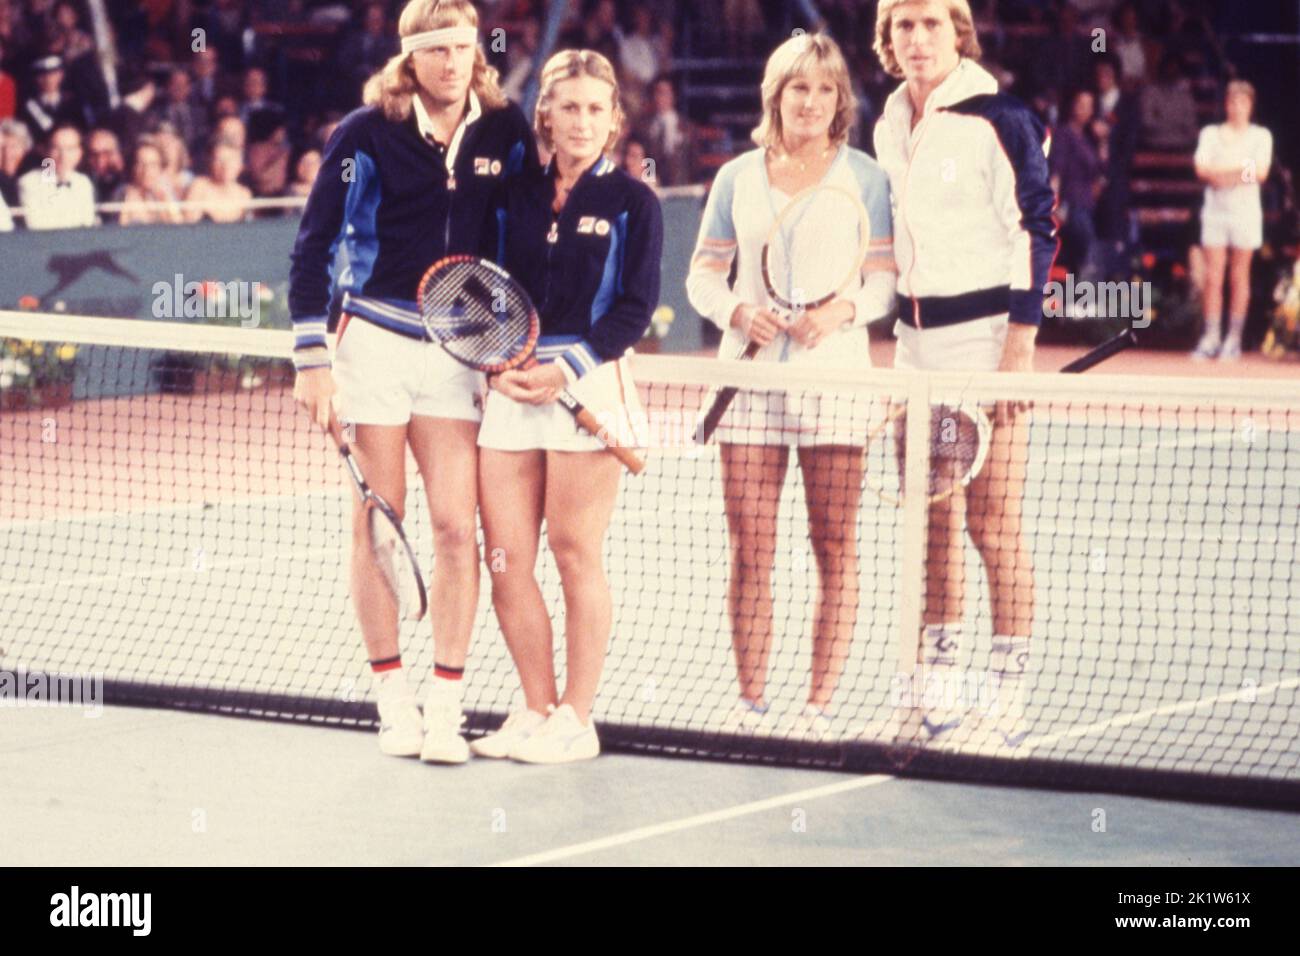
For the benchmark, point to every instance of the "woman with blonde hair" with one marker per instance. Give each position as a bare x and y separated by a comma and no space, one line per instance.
1232,159
802,141
584,238
404,181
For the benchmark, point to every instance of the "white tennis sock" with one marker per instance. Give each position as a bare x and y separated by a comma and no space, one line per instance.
940,689
1009,664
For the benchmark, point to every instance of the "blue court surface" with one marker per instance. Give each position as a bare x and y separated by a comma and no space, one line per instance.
140,787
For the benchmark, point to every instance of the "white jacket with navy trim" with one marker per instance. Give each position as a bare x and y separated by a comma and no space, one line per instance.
974,232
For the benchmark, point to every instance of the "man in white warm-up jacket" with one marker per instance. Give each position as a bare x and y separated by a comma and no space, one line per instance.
974,241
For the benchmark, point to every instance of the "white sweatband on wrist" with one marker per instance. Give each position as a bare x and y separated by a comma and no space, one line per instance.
444,37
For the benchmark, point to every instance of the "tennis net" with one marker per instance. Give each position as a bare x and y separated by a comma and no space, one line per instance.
170,521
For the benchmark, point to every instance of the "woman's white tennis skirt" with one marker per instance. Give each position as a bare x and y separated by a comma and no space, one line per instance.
808,418
384,378
608,392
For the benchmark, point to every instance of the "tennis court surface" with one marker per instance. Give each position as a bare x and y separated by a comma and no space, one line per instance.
178,528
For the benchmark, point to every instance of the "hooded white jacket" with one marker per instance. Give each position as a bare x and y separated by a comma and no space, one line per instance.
973,229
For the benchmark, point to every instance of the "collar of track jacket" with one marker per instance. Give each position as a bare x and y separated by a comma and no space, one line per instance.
967,79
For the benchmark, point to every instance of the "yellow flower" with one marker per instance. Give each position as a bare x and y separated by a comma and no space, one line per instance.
67,353
38,348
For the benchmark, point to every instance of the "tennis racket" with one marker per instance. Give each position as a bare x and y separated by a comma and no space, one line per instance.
393,553
484,319
959,436
814,252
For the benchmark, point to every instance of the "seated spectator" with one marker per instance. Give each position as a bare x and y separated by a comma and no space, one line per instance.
639,60
666,136
148,189
1077,168
182,108
364,53
1169,110
520,52
130,118
206,82
15,158
66,38
255,100
304,173
634,161
50,106
231,129
176,159
219,195
268,155
8,88
59,197
224,23
104,164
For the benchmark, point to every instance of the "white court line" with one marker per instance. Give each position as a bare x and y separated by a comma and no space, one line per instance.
687,823
1180,707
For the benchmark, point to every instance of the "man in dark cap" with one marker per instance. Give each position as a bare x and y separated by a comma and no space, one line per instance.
49,105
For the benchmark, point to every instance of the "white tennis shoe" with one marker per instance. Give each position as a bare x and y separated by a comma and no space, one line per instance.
562,739
401,731
744,719
811,723
518,727
443,720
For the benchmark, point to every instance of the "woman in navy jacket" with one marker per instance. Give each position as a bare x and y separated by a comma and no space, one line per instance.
584,239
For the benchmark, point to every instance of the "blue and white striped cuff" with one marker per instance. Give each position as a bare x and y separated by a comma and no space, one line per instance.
578,360
310,349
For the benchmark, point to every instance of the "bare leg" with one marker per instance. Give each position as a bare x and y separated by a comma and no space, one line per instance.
833,491
380,450
581,488
752,476
511,486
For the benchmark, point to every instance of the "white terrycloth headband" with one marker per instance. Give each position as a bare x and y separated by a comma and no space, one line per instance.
444,37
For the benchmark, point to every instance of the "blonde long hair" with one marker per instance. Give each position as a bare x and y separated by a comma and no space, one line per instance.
795,57
392,88
566,65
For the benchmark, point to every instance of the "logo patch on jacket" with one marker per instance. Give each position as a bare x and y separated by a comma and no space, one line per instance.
590,224
486,166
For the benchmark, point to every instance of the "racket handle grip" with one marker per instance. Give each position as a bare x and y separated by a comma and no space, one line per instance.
631,461
1112,346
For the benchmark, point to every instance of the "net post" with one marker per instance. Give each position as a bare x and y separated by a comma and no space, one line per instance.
916,508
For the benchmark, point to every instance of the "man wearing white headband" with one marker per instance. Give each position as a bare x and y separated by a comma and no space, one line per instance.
404,181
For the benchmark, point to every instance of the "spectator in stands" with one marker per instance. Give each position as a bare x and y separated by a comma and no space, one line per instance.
365,52
633,159
599,30
1232,159
15,158
206,84
59,197
304,173
149,197
130,118
8,88
176,158
65,37
268,155
1077,167
50,105
666,135
255,100
639,60
520,53
104,163
1169,109
223,25
1128,47
1116,128
230,129
181,106
219,195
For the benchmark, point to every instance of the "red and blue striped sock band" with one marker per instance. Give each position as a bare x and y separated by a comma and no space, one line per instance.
448,673
385,664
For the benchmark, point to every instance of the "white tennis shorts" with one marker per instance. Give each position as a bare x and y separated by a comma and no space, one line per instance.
974,346
808,418
1220,231
608,392
384,378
